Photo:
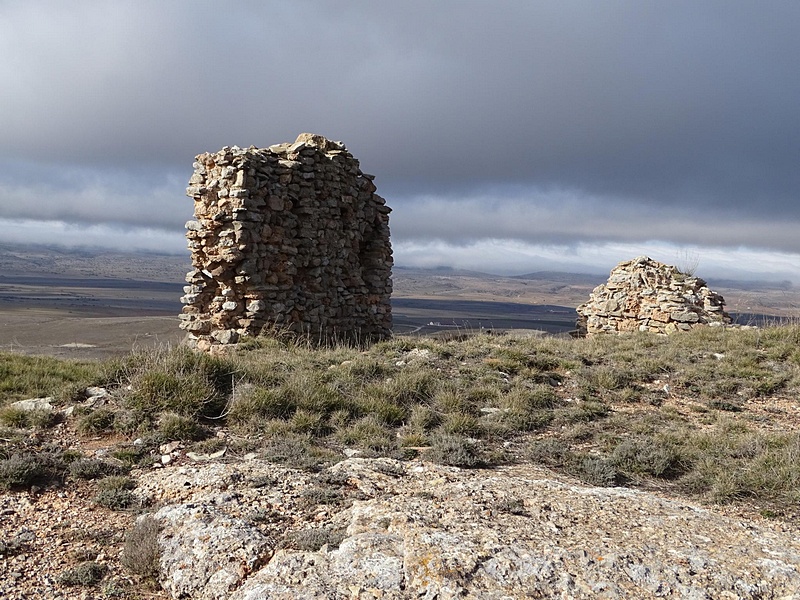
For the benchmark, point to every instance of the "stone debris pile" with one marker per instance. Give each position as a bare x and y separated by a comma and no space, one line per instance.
293,238
645,295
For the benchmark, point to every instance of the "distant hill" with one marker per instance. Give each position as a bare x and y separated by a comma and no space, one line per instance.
44,260
738,284
438,283
578,278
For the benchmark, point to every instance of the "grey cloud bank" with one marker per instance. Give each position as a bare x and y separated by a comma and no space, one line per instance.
524,126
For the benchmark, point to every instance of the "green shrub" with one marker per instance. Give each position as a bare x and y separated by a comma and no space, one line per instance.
265,403
412,386
450,399
27,419
457,423
306,421
178,380
582,411
187,394
97,421
177,427
518,420
383,409
131,422
423,418
131,456
296,451
369,433
551,451
24,377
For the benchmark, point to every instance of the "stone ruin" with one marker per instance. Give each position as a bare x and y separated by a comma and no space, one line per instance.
291,238
645,295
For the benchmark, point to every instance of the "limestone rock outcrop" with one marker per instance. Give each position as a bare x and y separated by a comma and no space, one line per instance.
380,528
646,295
291,237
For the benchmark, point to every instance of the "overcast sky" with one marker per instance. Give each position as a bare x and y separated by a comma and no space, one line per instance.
508,136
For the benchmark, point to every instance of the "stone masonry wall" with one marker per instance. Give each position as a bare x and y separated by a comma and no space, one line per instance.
291,237
646,295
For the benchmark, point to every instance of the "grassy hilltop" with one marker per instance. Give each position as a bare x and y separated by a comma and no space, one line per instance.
712,413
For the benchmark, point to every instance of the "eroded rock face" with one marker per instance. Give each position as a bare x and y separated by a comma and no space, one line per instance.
418,530
645,295
291,237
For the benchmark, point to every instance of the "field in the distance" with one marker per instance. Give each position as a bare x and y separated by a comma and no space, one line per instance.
82,304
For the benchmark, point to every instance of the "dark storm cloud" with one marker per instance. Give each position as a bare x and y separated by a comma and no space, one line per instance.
675,121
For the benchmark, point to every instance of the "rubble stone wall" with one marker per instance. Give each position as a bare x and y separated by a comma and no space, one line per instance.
291,237
646,295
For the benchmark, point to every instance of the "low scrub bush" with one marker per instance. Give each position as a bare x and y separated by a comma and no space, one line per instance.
295,451
24,377
595,471
263,403
454,451
311,540
594,408
88,573
179,380
141,553
96,421
368,432
582,411
92,468
177,427
550,451
657,458
114,492
12,416
23,470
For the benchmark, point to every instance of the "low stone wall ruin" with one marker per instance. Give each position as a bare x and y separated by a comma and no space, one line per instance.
292,237
646,295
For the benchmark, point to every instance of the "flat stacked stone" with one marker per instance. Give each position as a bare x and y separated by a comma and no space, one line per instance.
288,238
645,295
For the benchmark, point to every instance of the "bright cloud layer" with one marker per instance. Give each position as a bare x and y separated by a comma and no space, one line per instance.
512,136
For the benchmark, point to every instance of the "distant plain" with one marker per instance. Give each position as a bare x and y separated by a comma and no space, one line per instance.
82,304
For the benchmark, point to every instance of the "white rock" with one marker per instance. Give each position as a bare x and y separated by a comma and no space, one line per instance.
421,531
34,404
206,554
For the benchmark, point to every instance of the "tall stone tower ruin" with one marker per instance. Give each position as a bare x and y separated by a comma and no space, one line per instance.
293,238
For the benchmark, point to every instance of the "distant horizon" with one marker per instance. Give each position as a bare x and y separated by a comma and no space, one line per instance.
598,272
572,137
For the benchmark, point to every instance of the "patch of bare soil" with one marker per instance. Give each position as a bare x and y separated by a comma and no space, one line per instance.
47,533
63,335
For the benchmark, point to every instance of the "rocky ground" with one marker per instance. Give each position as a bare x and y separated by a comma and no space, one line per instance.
244,528
235,525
